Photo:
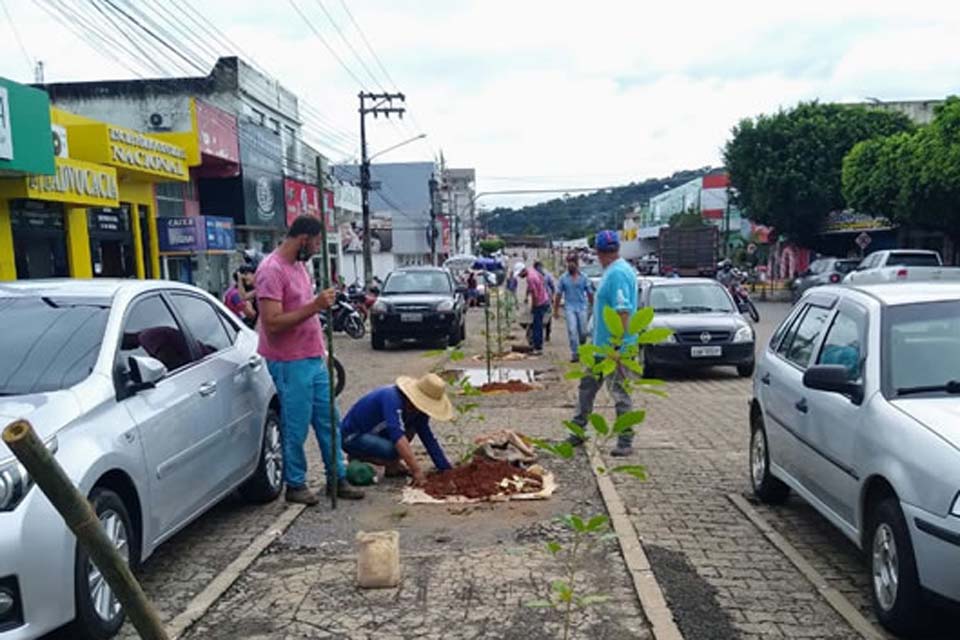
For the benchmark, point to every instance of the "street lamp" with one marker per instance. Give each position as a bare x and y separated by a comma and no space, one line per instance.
397,146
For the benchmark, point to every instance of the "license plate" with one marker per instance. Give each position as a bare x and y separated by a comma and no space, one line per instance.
411,317
706,352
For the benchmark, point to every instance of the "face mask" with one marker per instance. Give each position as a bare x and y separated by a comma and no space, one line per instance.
303,255
572,269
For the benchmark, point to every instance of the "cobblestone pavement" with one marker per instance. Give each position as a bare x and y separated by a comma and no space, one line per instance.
468,571
694,445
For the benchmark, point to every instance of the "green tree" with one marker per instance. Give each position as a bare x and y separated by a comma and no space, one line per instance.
913,178
786,168
690,219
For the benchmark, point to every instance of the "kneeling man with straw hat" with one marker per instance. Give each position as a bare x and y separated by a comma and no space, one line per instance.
381,425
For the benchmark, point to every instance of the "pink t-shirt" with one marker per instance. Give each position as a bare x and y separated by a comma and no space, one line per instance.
537,289
290,284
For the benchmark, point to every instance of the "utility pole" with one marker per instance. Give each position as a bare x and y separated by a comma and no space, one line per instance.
331,371
382,104
434,202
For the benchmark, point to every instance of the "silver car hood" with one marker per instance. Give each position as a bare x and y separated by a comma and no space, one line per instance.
47,412
940,415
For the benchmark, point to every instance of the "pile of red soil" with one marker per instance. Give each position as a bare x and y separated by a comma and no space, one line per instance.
479,478
513,386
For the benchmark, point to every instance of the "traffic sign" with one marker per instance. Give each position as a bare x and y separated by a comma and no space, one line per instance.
863,241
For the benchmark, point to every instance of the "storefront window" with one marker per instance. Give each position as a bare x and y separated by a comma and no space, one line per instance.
170,200
40,238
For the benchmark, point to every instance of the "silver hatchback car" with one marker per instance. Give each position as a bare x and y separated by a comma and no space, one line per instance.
857,408
156,404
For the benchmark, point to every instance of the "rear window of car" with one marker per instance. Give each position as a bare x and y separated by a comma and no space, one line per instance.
49,344
845,266
905,259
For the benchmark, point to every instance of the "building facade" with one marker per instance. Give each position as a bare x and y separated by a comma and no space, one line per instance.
459,207
94,212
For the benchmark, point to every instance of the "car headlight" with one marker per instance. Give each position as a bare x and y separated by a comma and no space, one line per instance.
446,305
379,307
15,482
671,339
955,509
743,334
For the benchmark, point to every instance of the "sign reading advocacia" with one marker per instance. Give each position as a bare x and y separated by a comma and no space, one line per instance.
74,182
129,151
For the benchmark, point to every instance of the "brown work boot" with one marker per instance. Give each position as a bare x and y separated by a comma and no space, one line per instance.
346,492
302,495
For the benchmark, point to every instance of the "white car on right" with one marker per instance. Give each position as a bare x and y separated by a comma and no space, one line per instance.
856,408
901,265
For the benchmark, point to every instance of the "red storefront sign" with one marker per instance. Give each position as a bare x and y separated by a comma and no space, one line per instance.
217,132
302,200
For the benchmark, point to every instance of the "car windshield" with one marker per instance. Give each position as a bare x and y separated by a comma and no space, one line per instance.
921,348
690,298
902,259
417,282
48,344
592,270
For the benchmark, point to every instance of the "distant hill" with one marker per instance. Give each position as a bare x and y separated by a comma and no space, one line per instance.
581,215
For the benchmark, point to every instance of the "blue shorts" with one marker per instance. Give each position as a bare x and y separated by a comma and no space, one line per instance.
371,447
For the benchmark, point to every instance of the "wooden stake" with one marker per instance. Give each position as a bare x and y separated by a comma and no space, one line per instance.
85,525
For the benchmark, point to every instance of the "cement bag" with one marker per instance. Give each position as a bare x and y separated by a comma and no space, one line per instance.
378,559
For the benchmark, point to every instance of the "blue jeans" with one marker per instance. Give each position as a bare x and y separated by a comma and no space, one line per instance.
304,390
367,446
538,313
576,327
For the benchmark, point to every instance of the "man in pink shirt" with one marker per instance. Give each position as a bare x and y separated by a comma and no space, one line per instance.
291,340
539,305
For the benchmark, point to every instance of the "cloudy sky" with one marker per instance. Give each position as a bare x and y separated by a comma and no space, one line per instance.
533,94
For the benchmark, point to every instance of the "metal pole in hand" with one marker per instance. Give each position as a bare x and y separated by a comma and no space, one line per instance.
332,476
80,517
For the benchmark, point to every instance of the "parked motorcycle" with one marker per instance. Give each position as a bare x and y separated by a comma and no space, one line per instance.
346,318
361,299
741,296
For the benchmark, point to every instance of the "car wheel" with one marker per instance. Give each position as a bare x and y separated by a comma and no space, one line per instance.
746,370
463,331
99,615
377,341
340,377
267,481
767,488
897,595
649,371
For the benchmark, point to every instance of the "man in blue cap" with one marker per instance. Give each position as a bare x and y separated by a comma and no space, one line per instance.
618,290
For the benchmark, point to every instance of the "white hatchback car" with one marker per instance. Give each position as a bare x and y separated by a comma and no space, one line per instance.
156,404
857,408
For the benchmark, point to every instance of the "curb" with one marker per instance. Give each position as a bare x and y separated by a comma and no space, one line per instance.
834,598
203,601
645,583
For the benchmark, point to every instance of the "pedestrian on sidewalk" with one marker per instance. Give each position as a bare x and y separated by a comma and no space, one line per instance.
617,290
551,284
539,305
241,296
576,292
291,341
380,427
512,284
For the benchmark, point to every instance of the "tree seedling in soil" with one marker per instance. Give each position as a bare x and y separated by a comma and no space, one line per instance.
622,357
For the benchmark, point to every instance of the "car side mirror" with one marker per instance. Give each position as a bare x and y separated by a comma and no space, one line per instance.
833,378
145,372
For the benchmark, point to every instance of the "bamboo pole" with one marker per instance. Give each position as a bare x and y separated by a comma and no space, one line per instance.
331,374
79,516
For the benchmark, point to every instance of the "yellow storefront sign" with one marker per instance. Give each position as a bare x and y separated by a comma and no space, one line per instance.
129,151
74,182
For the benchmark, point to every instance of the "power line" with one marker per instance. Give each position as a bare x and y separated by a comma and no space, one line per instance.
326,44
160,40
349,45
126,34
366,42
16,35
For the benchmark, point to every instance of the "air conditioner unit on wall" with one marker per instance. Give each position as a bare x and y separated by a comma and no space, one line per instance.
60,147
159,121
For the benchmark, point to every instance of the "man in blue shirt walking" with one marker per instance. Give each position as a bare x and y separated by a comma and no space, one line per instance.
577,293
381,425
618,290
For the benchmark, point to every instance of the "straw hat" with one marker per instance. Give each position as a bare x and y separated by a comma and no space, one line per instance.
428,394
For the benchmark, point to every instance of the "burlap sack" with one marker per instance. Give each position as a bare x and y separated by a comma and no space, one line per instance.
378,559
